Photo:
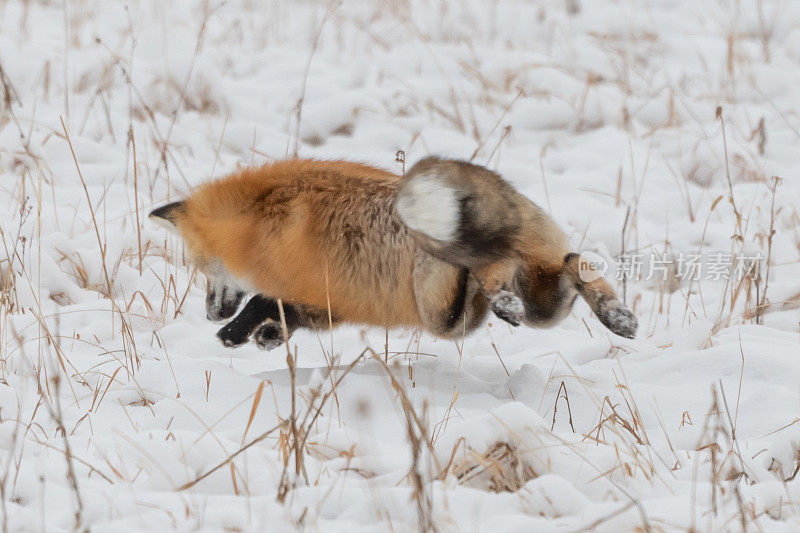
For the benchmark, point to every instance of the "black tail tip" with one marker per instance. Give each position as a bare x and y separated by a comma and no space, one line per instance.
620,321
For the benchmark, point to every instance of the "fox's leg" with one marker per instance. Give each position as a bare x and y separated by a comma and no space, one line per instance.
255,313
496,280
550,289
449,299
270,334
600,296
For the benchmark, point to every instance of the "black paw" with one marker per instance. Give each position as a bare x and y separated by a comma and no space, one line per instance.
508,306
233,335
269,335
620,321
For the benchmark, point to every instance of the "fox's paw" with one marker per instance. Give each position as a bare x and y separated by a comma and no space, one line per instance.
268,336
232,335
508,306
619,320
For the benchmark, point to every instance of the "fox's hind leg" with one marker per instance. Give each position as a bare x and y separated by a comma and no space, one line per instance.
449,299
496,280
600,296
550,289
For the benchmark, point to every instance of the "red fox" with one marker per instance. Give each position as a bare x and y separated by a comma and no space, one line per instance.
346,242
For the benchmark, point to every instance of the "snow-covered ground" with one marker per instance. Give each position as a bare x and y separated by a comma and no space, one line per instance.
605,112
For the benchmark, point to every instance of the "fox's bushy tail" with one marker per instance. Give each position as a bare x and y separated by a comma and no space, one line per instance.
459,212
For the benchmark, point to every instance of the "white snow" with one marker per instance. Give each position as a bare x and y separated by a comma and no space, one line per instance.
607,118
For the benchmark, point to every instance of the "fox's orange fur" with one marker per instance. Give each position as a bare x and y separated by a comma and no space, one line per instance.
278,227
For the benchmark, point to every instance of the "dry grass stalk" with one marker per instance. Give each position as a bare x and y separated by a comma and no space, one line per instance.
198,46
561,387
54,407
9,93
739,233
737,239
766,30
294,444
417,434
573,7
727,466
615,418
9,300
622,254
51,399
231,457
762,303
498,469
760,135
422,498
507,109
332,6
295,431
136,198
91,211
